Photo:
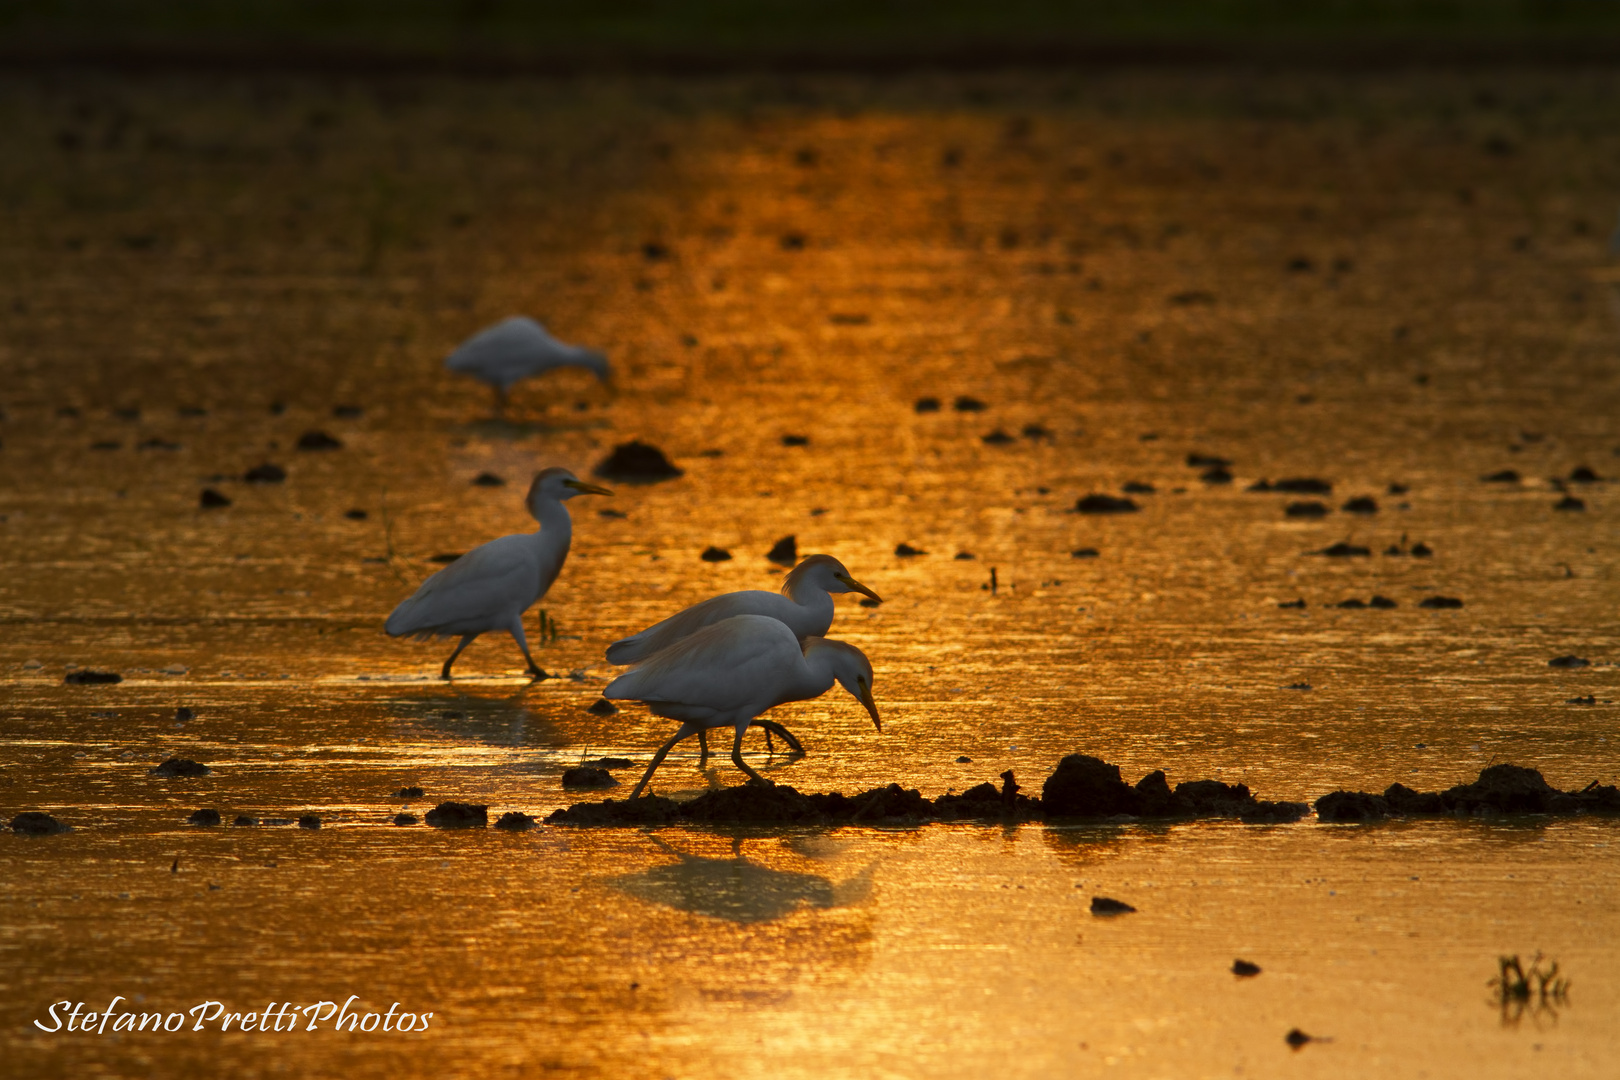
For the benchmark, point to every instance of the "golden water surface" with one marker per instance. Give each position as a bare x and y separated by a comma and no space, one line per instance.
1392,280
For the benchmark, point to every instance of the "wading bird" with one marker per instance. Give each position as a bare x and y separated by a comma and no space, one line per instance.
729,672
515,349
491,586
804,604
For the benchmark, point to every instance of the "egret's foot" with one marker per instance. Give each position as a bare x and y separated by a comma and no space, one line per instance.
538,674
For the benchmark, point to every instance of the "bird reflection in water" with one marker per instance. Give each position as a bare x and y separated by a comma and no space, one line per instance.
738,890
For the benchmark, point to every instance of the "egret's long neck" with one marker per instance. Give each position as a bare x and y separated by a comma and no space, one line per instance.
819,663
556,529
814,598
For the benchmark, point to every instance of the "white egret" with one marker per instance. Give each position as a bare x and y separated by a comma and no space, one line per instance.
515,349
804,604
729,672
491,586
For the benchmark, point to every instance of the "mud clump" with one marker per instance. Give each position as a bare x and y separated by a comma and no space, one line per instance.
603,707
1500,789
587,776
647,810
86,677
406,819
455,815
1266,812
1244,969
180,767
1107,905
1503,789
1104,504
265,474
212,500
37,823
715,554
412,792
636,462
1084,786
1351,806
318,440
609,762
516,821
205,818
1568,662
785,552
309,821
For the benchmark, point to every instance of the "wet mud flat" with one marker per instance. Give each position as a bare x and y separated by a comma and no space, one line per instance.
1088,789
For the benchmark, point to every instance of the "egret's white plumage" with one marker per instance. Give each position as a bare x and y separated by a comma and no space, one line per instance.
515,349
491,586
727,673
805,605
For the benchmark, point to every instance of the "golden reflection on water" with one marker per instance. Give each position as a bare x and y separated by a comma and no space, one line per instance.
1113,265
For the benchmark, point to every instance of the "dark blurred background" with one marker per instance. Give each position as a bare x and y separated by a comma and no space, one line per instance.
707,34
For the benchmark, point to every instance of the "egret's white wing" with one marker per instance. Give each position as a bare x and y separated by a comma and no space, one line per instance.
473,593
738,663
506,352
683,624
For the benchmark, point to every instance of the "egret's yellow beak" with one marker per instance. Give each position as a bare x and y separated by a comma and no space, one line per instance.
856,586
586,489
871,706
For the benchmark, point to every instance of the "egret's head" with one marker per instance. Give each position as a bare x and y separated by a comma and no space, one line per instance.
560,484
852,670
824,572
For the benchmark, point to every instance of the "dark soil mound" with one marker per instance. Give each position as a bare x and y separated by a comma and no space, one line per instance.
1212,798
1502,789
585,776
318,440
1403,800
180,767
405,819
85,677
37,823
516,821
609,762
309,821
265,474
1084,786
212,500
715,554
1342,550
785,552
1296,485
603,707
1439,602
455,815
648,810
1310,509
636,462
204,817
1104,504
1265,812
412,792
1351,806
1107,905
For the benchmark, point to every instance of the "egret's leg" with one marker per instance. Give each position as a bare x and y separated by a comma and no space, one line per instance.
770,747
500,402
786,735
703,747
658,759
444,673
523,643
736,756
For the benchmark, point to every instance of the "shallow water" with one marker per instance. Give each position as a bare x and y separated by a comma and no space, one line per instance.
1116,259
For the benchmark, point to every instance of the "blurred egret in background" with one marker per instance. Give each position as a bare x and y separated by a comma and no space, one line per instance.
515,349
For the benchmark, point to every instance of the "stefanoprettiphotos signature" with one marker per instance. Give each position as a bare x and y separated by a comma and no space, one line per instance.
212,1015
